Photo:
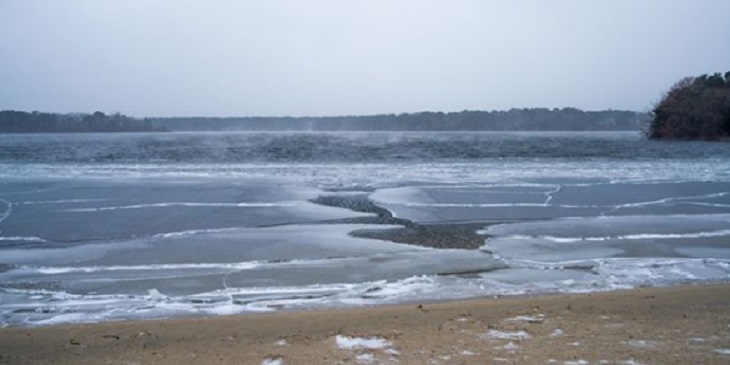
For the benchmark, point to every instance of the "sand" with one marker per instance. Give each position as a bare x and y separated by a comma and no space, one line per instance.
679,325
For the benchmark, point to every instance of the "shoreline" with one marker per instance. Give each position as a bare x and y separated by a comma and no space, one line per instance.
671,325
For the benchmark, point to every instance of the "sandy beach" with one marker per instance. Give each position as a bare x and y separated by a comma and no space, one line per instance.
679,325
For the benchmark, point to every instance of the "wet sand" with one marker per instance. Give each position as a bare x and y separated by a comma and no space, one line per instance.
679,325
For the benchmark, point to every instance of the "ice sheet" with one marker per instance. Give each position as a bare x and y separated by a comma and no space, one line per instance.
555,199
692,236
176,225
91,210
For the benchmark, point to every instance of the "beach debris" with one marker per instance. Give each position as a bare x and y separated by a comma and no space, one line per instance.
504,335
115,337
74,342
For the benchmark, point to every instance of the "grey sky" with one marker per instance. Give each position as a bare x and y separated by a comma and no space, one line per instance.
334,57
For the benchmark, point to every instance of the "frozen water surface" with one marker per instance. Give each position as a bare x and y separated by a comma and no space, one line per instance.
108,227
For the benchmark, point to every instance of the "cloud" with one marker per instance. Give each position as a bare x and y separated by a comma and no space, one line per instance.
333,57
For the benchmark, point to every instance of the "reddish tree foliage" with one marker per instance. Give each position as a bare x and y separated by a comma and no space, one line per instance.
694,108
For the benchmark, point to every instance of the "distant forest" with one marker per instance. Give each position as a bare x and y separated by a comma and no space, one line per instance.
23,122
536,119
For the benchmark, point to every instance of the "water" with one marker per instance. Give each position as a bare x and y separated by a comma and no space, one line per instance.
342,147
101,227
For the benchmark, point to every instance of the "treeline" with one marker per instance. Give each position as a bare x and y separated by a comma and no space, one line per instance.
694,108
23,122
534,119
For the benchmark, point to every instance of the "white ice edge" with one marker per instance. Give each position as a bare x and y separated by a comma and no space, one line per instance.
90,269
22,238
639,236
183,204
498,230
44,307
232,267
63,201
509,171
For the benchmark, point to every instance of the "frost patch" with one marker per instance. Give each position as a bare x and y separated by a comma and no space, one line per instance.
511,346
632,362
349,343
643,344
723,351
273,361
366,358
576,362
557,333
519,335
529,319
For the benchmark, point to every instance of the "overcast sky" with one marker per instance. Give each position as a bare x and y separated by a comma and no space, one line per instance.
335,57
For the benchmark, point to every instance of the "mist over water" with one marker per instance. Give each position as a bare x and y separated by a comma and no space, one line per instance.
98,227
318,147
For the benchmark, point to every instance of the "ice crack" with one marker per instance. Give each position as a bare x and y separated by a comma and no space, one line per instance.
8,210
549,195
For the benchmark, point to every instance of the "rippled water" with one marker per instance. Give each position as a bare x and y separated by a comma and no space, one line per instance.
241,147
